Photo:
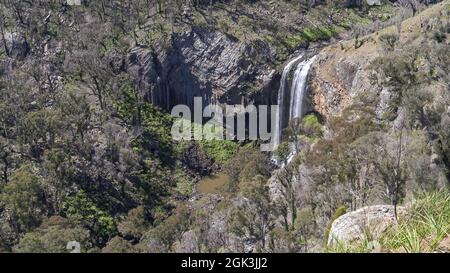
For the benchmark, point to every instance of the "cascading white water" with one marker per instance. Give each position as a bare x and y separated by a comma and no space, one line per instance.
299,84
281,95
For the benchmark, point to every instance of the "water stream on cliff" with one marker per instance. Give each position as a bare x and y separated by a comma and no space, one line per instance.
281,95
297,94
298,89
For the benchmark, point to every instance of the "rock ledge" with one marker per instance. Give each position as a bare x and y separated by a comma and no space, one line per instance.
352,227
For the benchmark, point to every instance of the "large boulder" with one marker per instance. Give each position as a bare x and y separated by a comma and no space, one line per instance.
353,227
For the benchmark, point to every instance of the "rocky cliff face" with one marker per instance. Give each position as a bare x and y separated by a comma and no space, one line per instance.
202,63
209,63
338,76
341,75
342,71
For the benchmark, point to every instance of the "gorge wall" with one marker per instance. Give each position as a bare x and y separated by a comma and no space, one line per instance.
207,64
220,68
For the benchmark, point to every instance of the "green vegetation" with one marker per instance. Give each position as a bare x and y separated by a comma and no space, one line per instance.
338,213
80,209
53,236
23,196
185,187
320,33
157,123
119,245
389,40
424,227
86,155
246,164
312,127
421,229
220,150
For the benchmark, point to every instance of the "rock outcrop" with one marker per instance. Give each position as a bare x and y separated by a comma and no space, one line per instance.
353,227
343,71
202,63
444,246
17,46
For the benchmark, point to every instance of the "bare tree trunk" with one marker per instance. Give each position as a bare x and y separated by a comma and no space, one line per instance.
398,173
2,33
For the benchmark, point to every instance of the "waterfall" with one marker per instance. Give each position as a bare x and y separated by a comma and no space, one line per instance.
299,87
281,96
297,94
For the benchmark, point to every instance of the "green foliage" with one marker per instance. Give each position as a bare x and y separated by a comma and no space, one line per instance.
294,41
338,213
162,237
113,41
81,209
319,33
23,197
285,41
439,36
311,121
220,150
53,236
59,173
245,22
155,181
305,220
245,165
184,186
254,219
157,123
365,246
154,145
39,128
299,136
76,114
424,227
421,229
408,73
283,151
304,226
312,126
389,40
80,119
442,144
119,245
135,224
223,25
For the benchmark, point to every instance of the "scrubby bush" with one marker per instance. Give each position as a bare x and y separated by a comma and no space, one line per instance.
81,209
53,236
389,40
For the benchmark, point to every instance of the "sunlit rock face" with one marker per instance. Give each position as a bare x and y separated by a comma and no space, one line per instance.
203,63
353,227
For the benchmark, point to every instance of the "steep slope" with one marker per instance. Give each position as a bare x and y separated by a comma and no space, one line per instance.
86,151
384,101
342,71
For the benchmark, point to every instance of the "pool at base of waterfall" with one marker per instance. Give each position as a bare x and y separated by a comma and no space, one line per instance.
213,184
